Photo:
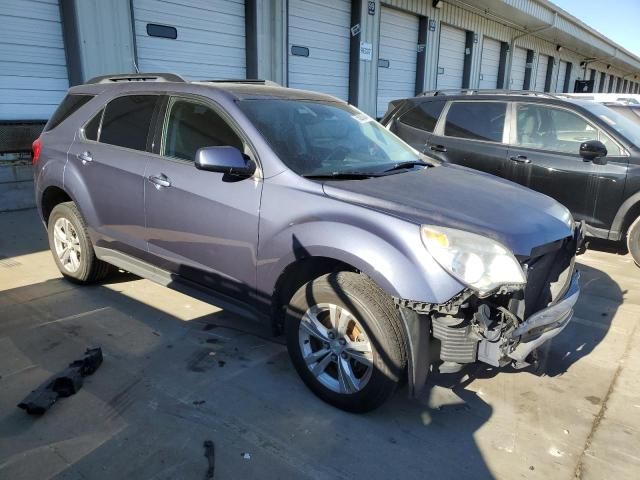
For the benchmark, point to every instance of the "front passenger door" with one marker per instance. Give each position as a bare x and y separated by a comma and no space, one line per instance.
202,226
545,157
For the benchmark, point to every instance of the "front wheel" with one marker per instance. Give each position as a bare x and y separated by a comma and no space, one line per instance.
633,240
345,340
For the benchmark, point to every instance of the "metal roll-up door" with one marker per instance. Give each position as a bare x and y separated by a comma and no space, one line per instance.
33,66
541,72
490,63
450,57
198,39
319,41
397,57
562,75
518,68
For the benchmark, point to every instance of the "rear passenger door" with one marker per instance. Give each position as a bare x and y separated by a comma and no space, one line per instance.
202,226
108,160
473,134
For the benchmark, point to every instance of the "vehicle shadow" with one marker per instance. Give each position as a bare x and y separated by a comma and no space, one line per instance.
157,365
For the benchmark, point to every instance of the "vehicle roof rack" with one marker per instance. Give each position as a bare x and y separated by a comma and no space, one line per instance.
137,77
250,81
470,91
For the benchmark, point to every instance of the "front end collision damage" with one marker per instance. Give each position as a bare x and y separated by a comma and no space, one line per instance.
501,329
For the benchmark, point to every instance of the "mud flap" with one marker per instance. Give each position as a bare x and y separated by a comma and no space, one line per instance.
418,334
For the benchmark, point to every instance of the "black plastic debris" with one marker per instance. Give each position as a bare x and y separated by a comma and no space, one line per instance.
209,452
64,384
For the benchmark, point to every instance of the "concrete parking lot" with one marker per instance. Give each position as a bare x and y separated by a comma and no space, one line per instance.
178,372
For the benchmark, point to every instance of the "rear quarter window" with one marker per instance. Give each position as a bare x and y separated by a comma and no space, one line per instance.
424,116
69,105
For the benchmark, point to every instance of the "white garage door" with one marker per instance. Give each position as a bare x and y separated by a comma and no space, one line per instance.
562,75
541,72
450,57
518,67
33,68
319,46
490,63
209,43
397,57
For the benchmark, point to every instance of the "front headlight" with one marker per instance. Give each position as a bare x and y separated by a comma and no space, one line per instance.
479,262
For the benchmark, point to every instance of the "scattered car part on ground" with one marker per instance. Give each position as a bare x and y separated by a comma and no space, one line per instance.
64,384
584,154
372,257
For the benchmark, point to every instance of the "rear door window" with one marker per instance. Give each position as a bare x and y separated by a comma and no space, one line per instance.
424,116
92,128
191,126
69,105
476,120
126,121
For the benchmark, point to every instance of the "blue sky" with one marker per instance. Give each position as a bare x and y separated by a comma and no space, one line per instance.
618,19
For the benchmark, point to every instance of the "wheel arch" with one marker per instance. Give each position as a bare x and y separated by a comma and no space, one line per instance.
627,213
50,198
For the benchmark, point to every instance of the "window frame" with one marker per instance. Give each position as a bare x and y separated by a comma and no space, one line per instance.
513,139
162,124
152,125
506,129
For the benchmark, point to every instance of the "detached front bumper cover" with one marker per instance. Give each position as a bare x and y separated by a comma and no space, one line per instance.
545,324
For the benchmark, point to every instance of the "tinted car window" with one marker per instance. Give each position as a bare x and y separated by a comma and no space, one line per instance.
126,121
476,120
192,126
70,104
556,130
424,116
91,129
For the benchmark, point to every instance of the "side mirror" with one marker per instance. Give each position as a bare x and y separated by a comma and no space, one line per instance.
593,151
227,160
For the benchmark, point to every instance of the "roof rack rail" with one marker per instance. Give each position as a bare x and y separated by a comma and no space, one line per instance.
251,81
137,77
470,91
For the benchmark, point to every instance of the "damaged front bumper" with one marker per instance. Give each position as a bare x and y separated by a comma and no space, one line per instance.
537,329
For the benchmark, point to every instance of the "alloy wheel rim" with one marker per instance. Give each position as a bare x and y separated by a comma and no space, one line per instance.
335,348
67,245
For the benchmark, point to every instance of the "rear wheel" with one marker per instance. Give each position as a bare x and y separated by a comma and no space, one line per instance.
344,338
71,246
633,240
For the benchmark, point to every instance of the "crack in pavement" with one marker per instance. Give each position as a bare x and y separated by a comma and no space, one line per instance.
577,473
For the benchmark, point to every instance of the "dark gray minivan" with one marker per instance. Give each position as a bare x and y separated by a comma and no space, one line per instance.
295,208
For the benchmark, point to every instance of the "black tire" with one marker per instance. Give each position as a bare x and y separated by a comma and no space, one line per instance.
90,269
633,240
375,311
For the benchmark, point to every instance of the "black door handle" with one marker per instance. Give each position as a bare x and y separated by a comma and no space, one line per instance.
160,181
438,148
520,159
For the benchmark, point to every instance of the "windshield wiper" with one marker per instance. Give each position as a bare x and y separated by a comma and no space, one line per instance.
403,165
342,175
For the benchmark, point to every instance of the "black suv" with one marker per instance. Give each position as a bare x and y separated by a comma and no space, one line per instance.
581,153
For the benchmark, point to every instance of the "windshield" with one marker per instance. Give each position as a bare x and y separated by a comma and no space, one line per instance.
325,138
625,127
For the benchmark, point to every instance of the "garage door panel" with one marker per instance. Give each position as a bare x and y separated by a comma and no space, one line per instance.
541,72
490,63
33,66
518,68
210,43
562,72
398,45
322,27
450,57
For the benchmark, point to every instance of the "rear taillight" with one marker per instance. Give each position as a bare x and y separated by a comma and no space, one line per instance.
35,149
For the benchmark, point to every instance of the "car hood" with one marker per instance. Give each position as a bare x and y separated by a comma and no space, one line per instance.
458,197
